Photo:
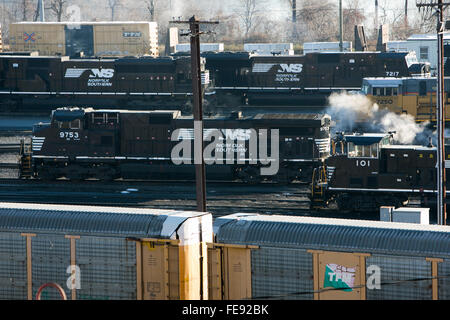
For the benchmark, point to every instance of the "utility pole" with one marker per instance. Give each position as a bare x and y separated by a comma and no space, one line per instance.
39,11
376,18
341,28
439,6
294,11
294,19
200,176
406,14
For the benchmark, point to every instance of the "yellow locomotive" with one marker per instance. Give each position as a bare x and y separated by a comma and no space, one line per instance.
412,95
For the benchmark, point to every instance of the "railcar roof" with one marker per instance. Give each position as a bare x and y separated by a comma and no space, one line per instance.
412,147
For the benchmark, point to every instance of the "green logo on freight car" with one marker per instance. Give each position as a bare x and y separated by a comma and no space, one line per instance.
339,277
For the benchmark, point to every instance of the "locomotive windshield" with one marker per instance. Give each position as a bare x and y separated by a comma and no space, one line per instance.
365,145
359,151
411,59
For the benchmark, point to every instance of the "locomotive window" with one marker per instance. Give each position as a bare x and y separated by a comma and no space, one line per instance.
64,125
112,118
365,89
97,118
378,91
360,151
424,53
389,91
75,124
394,91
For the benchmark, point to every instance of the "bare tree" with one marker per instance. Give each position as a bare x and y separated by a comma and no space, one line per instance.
319,20
352,15
151,5
247,12
25,7
113,4
57,7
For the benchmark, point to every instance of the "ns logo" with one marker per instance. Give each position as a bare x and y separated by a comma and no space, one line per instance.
102,73
291,68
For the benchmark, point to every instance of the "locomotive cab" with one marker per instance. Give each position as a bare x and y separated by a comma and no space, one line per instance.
360,159
386,92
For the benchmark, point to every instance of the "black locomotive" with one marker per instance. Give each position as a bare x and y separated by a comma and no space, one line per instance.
230,79
41,83
373,172
243,78
110,144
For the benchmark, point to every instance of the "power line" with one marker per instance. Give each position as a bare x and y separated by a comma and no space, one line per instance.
395,282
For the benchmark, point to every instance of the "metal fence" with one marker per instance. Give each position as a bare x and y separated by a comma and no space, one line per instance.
282,273
108,268
50,260
402,278
13,273
444,279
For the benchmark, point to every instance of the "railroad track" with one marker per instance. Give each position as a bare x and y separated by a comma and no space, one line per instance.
10,132
9,148
9,166
222,198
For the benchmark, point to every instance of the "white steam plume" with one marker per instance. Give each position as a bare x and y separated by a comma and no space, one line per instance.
356,111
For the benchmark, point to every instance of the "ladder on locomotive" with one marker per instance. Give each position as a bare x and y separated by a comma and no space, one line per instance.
25,170
319,183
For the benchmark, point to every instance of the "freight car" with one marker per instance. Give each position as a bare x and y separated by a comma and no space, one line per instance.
41,83
110,144
411,95
373,172
309,79
108,38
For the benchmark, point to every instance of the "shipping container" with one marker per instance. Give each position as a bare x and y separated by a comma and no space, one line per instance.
204,47
90,38
309,47
284,49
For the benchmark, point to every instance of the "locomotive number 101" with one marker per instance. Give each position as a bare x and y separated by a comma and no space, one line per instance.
363,163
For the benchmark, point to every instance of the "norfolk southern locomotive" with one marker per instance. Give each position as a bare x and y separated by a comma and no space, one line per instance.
243,78
110,144
39,83
237,79
373,172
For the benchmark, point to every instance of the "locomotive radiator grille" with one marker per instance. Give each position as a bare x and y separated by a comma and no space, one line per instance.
323,145
330,172
37,143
